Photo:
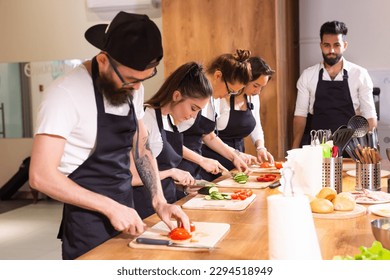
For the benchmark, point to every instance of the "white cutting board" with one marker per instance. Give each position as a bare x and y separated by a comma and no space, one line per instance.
207,234
250,184
198,202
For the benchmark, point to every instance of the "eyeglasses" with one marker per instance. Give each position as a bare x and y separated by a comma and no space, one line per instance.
230,92
124,83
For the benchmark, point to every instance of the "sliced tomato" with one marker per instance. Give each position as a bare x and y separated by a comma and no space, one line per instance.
278,164
192,227
179,234
234,196
265,164
266,178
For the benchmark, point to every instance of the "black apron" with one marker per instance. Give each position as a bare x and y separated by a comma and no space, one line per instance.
107,172
169,157
332,107
240,125
192,139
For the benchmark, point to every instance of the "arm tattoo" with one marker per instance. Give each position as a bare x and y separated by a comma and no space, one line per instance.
145,168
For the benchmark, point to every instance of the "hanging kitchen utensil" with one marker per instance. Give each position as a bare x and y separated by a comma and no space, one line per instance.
342,137
359,124
314,141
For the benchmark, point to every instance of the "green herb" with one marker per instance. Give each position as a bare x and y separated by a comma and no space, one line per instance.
375,252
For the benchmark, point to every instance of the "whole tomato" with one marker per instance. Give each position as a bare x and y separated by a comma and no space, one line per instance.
179,234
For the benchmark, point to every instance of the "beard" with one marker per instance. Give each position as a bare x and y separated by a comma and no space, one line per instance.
116,97
331,60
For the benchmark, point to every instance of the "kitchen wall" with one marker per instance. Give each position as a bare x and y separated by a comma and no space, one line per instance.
41,31
368,38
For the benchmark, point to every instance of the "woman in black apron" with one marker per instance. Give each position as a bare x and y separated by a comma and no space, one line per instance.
241,123
105,172
332,107
228,74
183,94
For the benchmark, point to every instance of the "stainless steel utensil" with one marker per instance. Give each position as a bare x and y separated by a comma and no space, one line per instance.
375,138
359,124
169,243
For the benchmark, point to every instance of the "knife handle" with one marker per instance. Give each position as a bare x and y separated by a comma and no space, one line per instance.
152,241
274,184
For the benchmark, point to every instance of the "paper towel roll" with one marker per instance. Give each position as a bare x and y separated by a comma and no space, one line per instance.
291,231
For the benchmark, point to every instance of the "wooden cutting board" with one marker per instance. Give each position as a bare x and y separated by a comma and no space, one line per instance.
206,234
258,169
359,210
198,202
250,184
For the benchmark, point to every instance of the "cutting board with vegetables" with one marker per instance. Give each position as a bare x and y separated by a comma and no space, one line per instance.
199,202
358,211
205,234
251,183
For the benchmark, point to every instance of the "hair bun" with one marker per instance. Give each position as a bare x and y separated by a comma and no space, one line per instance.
242,55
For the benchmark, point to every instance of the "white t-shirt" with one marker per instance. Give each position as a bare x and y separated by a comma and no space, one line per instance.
224,114
359,82
68,109
155,139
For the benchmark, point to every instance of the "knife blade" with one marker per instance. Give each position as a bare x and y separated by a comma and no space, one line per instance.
169,243
204,183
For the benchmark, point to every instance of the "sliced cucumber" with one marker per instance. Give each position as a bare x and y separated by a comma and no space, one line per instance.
207,197
213,189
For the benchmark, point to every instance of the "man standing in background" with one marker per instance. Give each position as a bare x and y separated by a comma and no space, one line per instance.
331,92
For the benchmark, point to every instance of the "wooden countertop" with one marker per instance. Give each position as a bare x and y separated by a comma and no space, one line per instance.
247,238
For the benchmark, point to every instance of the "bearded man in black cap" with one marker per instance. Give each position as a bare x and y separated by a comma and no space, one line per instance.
88,123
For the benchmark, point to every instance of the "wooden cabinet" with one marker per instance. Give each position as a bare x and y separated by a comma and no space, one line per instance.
202,29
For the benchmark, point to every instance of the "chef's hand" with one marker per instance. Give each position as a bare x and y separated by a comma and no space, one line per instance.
167,212
182,177
263,155
240,165
248,159
125,219
211,165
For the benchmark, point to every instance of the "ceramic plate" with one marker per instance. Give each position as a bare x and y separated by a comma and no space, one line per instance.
384,173
371,197
380,210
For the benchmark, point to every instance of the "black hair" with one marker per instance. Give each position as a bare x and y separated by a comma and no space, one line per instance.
259,67
334,27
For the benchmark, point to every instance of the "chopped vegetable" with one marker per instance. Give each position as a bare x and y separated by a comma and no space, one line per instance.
375,252
265,164
240,178
278,164
179,233
266,178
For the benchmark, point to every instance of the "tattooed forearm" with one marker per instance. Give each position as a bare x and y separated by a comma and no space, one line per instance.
146,169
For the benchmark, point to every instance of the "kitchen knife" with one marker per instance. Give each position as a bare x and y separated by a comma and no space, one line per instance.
169,243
